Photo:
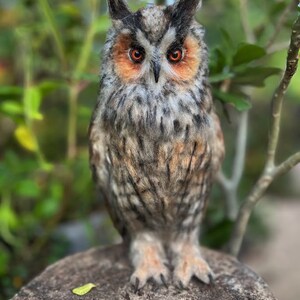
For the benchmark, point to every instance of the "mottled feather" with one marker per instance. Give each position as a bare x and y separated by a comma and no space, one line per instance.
155,140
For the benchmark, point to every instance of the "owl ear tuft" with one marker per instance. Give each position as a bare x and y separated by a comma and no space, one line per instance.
183,12
118,9
188,5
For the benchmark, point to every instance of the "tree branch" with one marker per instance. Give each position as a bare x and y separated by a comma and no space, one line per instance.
278,47
74,90
239,162
287,165
277,100
270,171
280,23
245,21
230,186
46,9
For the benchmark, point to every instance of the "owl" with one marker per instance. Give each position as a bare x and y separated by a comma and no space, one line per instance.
155,140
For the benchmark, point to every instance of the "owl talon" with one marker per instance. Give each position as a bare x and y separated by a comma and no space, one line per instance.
206,278
163,280
211,278
136,285
148,259
180,285
189,263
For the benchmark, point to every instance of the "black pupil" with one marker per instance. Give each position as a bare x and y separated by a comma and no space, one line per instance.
137,54
175,54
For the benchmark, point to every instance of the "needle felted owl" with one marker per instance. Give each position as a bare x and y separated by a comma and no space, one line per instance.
155,140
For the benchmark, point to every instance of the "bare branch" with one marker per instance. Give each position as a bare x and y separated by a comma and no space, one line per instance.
287,165
241,144
245,212
230,185
278,97
270,171
278,47
280,23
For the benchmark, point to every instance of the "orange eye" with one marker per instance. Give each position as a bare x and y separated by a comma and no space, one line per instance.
175,56
137,55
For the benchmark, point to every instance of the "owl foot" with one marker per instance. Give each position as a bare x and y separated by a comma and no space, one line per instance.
189,263
149,268
148,259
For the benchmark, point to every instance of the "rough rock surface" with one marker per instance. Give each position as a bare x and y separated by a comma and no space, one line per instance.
109,269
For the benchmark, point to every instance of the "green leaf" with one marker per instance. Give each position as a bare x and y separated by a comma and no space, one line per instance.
238,101
47,208
255,76
217,61
8,217
219,234
27,188
25,138
277,8
220,77
4,261
227,39
10,91
50,205
70,9
247,53
227,46
32,102
49,86
11,108
8,221
83,290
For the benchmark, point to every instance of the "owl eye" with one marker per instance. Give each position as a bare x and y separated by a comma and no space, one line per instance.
137,55
175,56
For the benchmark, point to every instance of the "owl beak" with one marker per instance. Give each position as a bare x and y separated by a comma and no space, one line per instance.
156,70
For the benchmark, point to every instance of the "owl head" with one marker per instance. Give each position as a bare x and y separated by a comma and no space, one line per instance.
155,45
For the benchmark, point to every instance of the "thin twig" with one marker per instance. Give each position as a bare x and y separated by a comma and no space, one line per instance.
230,185
74,89
280,22
238,166
245,21
46,9
278,47
287,165
270,171
28,84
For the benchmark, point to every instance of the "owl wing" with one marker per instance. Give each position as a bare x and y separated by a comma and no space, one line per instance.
97,154
217,144
100,172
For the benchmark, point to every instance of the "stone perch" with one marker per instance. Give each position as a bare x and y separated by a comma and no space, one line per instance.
109,269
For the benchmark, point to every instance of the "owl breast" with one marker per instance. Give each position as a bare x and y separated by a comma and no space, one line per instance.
157,149
156,182
164,113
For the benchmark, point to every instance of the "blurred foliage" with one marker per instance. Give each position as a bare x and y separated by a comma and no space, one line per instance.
49,62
